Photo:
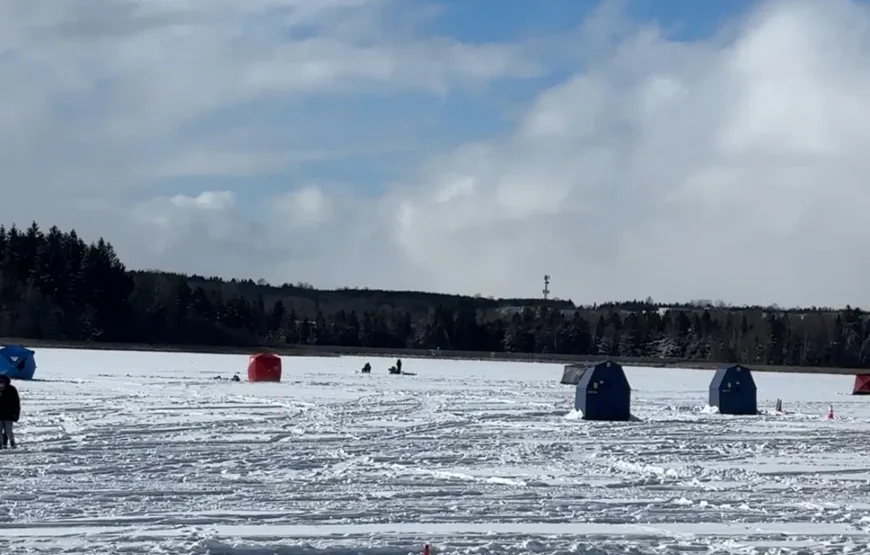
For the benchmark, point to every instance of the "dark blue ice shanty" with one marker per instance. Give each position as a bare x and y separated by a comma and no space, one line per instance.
603,393
733,391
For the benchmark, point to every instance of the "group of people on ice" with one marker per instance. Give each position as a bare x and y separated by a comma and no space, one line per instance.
10,411
397,369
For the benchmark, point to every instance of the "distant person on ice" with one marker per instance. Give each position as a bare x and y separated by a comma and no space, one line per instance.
10,411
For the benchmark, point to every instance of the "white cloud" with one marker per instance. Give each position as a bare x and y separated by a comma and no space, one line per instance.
170,222
727,169
304,207
121,89
106,102
208,200
731,167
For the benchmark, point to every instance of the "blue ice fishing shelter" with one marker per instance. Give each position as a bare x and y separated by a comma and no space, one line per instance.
17,362
603,393
733,391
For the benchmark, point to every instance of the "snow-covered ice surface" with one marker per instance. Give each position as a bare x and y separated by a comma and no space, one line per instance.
145,453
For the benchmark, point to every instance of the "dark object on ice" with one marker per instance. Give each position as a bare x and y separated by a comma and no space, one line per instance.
367,369
10,402
10,410
399,365
603,393
733,391
862,385
394,370
572,373
235,378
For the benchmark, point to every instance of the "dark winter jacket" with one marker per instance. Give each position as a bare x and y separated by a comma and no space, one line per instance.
10,404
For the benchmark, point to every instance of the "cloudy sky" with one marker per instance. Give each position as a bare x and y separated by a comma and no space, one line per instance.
668,148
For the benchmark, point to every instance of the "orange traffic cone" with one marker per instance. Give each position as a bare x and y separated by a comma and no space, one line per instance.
830,412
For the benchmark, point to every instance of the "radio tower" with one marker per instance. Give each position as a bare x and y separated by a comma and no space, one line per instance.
546,286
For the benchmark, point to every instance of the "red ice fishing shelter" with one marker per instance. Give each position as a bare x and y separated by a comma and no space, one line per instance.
862,385
264,367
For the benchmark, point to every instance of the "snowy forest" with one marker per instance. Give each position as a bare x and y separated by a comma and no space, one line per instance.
55,286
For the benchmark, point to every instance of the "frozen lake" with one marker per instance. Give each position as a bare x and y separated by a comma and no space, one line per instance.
145,453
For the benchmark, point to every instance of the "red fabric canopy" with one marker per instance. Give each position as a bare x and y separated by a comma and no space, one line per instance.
862,385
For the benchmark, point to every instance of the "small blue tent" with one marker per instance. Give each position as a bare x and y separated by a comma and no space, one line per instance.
17,362
603,393
733,391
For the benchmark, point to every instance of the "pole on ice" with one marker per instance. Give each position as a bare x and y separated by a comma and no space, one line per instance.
830,412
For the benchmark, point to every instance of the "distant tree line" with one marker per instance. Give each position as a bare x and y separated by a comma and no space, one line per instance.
55,286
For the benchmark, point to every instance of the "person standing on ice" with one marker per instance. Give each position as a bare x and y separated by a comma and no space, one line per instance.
10,410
